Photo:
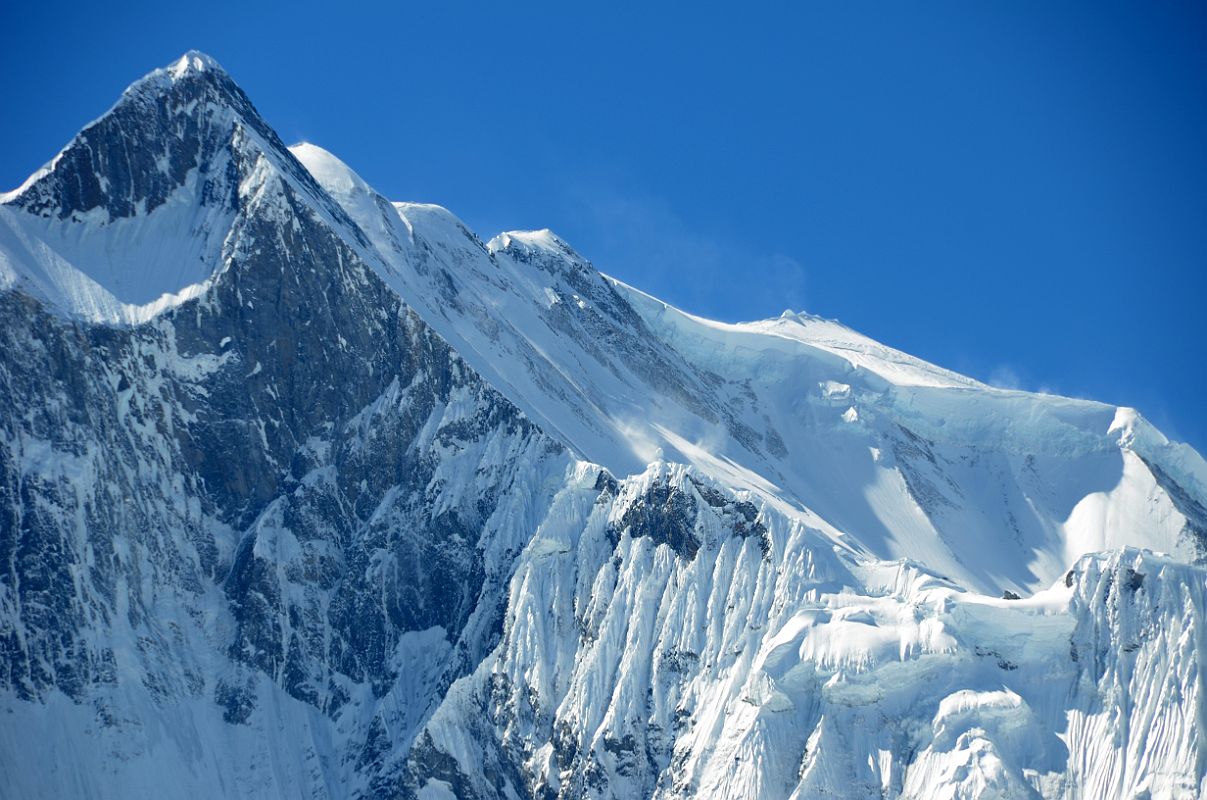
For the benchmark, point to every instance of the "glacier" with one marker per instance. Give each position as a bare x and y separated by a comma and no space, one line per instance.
306,492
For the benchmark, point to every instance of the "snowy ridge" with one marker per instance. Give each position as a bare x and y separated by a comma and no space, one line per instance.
144,230
192,61
317,494
920,462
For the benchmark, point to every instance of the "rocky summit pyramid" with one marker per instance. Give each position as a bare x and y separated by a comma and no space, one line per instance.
307,493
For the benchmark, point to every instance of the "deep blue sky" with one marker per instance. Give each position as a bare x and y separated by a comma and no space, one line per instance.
1015,190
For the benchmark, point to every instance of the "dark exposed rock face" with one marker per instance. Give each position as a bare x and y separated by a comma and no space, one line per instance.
1195,528
188,117
281,436
286,446
291,476
668,514
158,471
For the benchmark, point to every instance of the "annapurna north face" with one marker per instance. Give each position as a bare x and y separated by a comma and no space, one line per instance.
308,493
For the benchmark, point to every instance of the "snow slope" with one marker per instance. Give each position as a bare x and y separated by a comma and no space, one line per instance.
997,489
308,493
796,673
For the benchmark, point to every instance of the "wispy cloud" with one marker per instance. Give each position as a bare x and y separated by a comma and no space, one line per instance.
1004,377
641,239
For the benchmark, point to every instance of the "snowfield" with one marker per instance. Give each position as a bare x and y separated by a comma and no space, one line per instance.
306,492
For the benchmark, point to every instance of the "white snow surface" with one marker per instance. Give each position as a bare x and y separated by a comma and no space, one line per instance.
857,648
919,462
124,270
806,674
892,456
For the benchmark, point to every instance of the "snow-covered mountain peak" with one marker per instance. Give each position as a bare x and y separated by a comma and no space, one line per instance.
158,93
136,214
193,76
539,240
623,378
193,111
385,511
194,61
542,248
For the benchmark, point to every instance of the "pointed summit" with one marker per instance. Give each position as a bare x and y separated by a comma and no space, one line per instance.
543,239
186,74
171,126
133,215
543,249
194,61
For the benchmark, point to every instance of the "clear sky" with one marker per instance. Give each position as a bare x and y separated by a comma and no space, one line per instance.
1015,190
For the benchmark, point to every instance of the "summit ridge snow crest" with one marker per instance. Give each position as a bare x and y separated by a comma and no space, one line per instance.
308,492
